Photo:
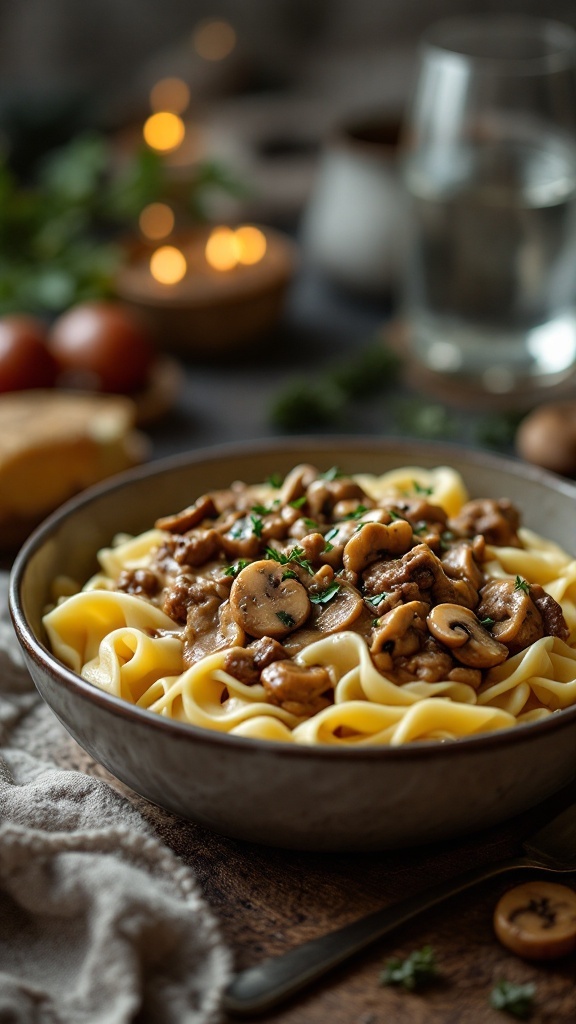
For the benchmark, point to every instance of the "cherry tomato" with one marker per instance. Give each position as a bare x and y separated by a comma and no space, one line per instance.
25,362
101,346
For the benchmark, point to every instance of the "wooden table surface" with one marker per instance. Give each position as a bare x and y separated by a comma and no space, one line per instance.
268,900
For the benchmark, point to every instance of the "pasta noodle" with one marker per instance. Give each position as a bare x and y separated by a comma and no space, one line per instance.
333,610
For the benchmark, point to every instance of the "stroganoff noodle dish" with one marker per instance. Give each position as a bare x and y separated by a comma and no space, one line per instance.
331,609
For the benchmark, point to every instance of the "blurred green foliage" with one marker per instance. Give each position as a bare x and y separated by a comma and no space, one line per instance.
60,231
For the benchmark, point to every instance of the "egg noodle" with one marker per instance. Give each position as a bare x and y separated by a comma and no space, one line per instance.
127,645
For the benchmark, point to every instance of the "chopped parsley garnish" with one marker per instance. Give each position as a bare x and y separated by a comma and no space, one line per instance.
394,515
421,528
358,512
265,510
359,527
289,575
328,537
331,474
233,570
377,599
487,622
327,547
257,525
296,555
445,537
275,480
325,595
285,619
375,623
518,1000
521,584
310,523
419,489
298,502
416,971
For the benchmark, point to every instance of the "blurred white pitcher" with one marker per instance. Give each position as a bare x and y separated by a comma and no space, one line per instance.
354,219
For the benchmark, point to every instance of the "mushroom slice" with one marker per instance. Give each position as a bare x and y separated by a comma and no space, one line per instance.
265,603
339,613
181,522
459,629
402,630
296,482
224,632
375,541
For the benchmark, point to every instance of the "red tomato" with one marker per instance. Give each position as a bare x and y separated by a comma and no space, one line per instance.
101,346
25,362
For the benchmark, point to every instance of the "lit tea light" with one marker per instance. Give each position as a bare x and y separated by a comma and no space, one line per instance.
156,221
212,288
164,131
226,248
214,39
168,265
251,244
170,94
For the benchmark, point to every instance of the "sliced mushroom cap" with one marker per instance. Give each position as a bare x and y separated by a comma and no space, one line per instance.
517,621
264,603
339,613
375,541
402,630
459,629
181,522
296,482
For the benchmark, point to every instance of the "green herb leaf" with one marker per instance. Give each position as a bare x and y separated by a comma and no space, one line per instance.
296,555
257,525
358,512
285,619
289,575
416,971
298,502
331,534
331,474
377,599
421,528
325,595
275,480
487,622
419,489
265,510
518,1000
521,584
445,538
304,405
233,570
310,523
368,373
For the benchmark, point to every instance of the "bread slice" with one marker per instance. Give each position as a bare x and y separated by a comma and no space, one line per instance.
55,443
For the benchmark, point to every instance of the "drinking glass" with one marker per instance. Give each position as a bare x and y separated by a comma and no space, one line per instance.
489,166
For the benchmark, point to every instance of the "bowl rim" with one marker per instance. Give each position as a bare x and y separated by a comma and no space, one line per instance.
347,444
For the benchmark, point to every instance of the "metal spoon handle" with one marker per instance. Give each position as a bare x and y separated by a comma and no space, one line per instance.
262,987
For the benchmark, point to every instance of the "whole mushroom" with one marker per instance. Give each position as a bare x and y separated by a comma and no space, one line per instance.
547,437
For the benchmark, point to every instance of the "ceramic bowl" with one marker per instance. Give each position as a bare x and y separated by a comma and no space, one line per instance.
273,793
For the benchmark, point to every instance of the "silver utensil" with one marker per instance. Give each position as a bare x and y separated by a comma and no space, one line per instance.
551,848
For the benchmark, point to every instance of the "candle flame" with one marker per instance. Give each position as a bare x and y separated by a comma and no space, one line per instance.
222,249
171,94
251,243
226,248
168,265
164,131
156,221
214,39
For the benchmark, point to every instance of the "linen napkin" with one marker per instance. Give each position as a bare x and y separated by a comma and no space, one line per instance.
100,923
